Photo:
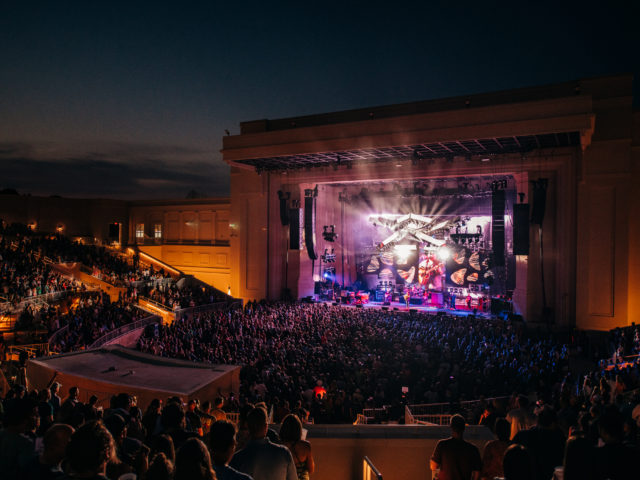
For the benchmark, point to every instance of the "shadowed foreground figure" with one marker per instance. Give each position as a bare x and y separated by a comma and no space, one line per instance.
456,458
261,458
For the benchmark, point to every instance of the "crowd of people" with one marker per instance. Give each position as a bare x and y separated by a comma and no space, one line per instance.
90,318
45,437
364,357
24,273
573,440
175,297
309,363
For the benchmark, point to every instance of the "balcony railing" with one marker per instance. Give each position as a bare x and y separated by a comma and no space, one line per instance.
123,330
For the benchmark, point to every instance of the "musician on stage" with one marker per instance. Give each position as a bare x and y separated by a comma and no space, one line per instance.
407,297
430,273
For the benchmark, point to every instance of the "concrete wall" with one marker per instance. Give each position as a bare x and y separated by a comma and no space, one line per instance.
399,452
211,264
197,221
590,230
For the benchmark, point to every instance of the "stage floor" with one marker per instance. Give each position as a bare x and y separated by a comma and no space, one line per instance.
402,307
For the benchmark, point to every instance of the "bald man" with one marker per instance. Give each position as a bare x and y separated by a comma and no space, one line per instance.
46,466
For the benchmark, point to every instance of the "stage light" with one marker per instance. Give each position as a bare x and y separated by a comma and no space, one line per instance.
403,252
443,253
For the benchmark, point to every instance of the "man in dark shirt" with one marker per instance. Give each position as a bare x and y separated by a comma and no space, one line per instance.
46,465
614,460
260,458
456,458
545,442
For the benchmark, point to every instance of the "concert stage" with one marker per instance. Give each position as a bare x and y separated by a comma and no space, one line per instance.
402,307
370,196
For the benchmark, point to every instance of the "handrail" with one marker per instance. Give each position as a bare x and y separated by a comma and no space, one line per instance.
233,417
369,470
159,305
53,339
360,419
120,331
46,297
206,308
31,349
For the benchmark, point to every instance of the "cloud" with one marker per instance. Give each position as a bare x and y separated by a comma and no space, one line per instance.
111,170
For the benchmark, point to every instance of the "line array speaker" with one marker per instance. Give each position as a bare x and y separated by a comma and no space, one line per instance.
521,229
539,200
497,226
310,224
284,212
294,229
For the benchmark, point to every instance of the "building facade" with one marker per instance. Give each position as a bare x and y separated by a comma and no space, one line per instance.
569,152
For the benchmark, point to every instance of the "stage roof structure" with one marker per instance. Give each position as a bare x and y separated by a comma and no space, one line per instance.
538,118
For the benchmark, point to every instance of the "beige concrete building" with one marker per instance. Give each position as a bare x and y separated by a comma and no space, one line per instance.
580,139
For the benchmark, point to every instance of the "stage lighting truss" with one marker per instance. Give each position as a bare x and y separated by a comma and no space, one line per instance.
410,227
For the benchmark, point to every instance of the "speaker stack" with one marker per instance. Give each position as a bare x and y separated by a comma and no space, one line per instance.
497,226
521,229
310,222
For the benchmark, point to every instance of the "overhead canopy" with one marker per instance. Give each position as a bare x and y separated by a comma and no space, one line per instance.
516,121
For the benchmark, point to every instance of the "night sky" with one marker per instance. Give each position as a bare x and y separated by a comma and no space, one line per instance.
131,100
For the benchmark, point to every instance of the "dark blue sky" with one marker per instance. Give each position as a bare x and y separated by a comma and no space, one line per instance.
131,99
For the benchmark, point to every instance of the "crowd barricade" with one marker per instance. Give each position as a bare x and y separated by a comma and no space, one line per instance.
440,413
123,330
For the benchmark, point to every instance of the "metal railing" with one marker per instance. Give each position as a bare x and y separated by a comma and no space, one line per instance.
123,330
438,419
32,350
360,419
440,413
369,471
183,312
233,417
55,337
159,305
35,300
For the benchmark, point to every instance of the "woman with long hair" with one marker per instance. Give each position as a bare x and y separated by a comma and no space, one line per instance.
193,462
291,436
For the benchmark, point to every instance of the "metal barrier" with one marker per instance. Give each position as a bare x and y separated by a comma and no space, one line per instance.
438,419
183,312
369,471
123,330
429,408
360,419
440,413
44,298
32,350
54,339
159,305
